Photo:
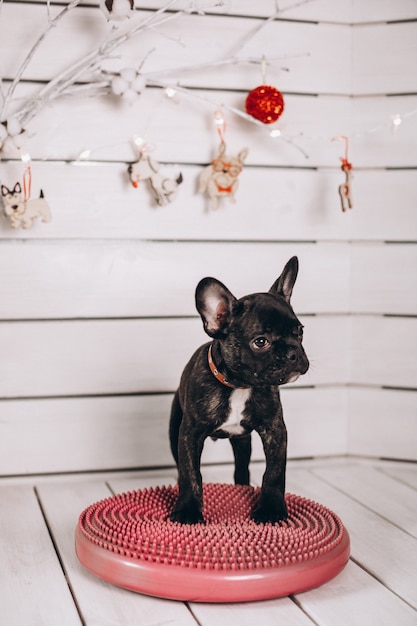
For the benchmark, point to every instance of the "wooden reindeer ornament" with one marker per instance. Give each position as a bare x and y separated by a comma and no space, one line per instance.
147,169
344,188
23,212
346,167
219,179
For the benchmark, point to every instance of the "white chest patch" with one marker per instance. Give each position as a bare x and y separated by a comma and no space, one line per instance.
237,402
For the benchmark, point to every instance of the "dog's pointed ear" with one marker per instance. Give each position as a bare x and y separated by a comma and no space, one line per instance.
284,284
215,304
17,188
4,190
242,155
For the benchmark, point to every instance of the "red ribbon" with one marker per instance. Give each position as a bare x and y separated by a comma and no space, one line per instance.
27,183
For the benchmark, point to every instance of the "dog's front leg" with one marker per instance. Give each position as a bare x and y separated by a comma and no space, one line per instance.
271,506
188,508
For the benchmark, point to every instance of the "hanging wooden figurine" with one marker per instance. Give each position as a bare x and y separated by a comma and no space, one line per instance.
220,178
21,210
344,188
117,10
147,169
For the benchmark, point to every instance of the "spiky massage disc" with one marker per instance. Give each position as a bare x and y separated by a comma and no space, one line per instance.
129,540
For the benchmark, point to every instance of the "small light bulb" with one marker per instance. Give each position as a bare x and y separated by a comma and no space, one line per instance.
25,156
170,92
218,118
139,141
275,132
85,154
396,120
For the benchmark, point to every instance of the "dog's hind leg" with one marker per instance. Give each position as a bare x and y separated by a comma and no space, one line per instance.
242,448
174,426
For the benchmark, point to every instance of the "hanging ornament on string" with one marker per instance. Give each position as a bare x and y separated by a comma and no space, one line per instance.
219,179
147,169
19,207
346,167
117,10
265,103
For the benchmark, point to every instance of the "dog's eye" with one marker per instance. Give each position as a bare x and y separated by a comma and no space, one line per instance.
261,343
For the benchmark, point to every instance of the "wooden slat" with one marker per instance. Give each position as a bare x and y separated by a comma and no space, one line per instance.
383,351
85,434
160,478
323,10
191,39
343,11
354,598
33,589
266,613
271,204
173,126
382,202
375,143
124,356
392,500
406,475
123,279
132,278
396,44
383,10
383,279
99,602
309,122
376,545
382,422
91,434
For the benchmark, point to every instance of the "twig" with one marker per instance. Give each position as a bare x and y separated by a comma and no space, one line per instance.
52,23
252,33
57,86
226,61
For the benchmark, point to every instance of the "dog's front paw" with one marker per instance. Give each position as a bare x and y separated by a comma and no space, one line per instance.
270,511
189,513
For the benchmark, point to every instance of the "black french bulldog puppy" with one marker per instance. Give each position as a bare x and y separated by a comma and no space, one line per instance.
231,387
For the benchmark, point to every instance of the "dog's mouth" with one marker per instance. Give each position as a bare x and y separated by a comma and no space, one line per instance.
289,378
278,375
293,377
272,377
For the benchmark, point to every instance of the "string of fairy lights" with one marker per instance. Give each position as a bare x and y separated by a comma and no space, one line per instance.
262,107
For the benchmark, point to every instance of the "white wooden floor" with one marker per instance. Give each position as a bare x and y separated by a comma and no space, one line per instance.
42,583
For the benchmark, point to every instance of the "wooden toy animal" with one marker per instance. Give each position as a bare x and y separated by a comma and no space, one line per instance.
219,179
23,212
164,189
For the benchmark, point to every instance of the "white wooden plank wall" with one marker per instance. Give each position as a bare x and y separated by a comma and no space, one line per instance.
96,308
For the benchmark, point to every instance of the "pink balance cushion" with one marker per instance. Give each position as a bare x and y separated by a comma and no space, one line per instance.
129,540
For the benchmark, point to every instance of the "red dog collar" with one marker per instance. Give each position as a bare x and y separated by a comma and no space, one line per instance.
218,375
216,372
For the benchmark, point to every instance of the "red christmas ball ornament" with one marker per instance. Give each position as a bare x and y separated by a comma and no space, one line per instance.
265,103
